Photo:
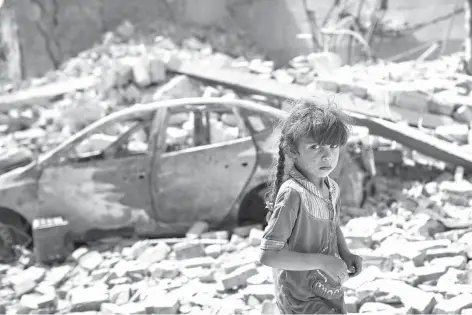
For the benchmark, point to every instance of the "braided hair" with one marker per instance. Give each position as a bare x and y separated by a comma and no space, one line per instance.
324,123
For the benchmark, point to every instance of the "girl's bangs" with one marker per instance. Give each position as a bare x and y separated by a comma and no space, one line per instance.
330,131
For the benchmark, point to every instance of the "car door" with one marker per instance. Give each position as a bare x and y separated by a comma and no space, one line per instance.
204,165
102,183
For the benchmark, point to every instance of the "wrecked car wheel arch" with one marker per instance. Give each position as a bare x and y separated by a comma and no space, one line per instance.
14,228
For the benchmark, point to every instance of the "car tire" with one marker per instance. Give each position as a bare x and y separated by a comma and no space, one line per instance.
253,210
14,231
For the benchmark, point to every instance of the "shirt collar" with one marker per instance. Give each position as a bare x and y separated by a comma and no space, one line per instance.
302,180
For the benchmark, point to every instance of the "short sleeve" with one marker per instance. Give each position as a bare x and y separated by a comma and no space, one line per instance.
280,225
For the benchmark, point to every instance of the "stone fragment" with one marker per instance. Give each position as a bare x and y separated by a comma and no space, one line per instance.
255,237
38,301
155,253
231,266
120,294
166,269
99,274
88,299
352,303
420,301
454,305
90,260
135,308
237,278
204,262
214,250
157,70
197,229
458,262
26,281
110,308
187,250
260,291
138,248
79,252
451,251
428,273
376,308
162,304
140,70
367,275
269,308
244,231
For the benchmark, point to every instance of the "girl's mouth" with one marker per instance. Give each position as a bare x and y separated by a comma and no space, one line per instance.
325,168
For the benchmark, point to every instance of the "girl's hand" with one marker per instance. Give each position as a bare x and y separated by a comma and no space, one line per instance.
336,268
353,263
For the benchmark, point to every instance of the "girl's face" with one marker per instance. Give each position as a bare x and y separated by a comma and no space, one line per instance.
314,159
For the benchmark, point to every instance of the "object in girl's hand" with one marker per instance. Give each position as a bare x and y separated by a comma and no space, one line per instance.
326,286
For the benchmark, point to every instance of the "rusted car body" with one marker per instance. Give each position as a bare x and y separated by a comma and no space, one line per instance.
154,188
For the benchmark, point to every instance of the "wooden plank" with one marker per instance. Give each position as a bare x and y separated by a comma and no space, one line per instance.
254,84
379,120
418,140
44,93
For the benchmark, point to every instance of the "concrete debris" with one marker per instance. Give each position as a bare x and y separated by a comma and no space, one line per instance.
405,270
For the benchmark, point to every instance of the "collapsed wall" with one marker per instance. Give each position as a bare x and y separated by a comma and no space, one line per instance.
52,31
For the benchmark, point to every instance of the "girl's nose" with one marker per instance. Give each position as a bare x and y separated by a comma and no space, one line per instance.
326,156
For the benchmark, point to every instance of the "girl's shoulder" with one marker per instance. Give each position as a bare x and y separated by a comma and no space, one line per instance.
291,185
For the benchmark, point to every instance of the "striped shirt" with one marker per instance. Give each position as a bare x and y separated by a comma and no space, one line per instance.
306,222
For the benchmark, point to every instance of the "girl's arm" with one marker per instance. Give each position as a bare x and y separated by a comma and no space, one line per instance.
342,245
290,260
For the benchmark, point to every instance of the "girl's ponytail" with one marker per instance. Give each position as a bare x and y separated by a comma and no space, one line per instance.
279,175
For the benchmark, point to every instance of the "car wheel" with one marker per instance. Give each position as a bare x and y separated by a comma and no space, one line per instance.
14,231
253,210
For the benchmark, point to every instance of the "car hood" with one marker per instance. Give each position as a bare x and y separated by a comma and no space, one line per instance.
18,176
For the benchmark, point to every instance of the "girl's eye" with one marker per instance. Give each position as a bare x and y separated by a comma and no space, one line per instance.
315,146
334,146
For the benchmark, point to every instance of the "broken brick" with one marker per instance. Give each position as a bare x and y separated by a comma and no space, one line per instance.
269,308
197,229
110,308
260,291
120,294
157,70
163,304
135,308
218,235
214,250
79,252
352,303
454,305
375,307
204,262
255,237
237,278
187,250
458,262
90,260
99,273
244,231
154,253
429,273
164,269
88,299
451,251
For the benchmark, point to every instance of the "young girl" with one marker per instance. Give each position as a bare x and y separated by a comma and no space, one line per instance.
303,242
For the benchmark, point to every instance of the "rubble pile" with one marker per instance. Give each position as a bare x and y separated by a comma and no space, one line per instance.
413,263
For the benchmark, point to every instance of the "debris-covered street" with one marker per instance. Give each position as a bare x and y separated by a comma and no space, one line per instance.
133,172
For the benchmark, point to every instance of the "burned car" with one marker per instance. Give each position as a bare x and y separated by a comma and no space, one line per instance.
151,170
